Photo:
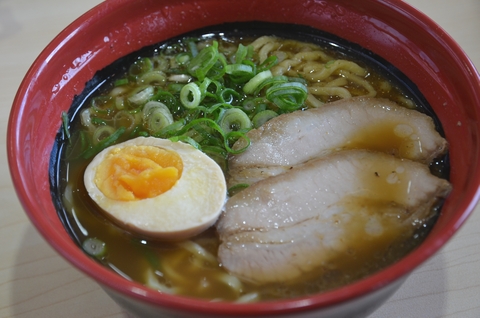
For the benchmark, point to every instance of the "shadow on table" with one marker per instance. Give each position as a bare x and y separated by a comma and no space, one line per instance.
45,285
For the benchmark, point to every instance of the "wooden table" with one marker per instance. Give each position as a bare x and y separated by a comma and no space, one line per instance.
36,282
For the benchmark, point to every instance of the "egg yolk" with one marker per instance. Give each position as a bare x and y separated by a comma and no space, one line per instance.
138,172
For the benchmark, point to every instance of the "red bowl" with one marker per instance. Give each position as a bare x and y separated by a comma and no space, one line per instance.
390,28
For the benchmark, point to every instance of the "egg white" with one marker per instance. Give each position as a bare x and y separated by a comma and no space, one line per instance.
191,206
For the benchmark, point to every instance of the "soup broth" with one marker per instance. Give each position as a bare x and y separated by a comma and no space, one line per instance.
117,99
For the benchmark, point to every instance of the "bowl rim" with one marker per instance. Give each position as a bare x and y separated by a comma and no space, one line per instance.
135,290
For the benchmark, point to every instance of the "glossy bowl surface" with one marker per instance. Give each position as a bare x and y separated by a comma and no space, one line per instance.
390,28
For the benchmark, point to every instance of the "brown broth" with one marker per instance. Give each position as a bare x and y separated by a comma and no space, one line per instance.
175,267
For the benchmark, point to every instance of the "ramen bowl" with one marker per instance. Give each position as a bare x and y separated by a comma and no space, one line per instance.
389,29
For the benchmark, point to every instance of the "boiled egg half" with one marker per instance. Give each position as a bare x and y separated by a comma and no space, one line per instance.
157,188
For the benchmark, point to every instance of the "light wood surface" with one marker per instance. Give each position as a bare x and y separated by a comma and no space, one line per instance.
36,282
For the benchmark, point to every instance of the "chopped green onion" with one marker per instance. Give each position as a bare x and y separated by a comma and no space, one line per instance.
192,47
165,97
288,96
218,69
262,117
190,95
187,140
240,73
119,102
85,118
270,62
204,61
140,67
179,78
80,142
234,136
141,95
121,82
65,124
98,121
160,63
156,116
100,104
171,129
175,88
251,104
297,79
275,80
182,58
330,63
234,119
106,142
228,95
253,83
206,97
150,106
238,69
241,53
153,77
101,133
158,119
210,88
94,247
124,118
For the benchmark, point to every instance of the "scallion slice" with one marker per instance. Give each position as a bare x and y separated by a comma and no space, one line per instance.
270,62
104,143
269,82
140,67
158,119
142,95
101,133
94,247
234,119
241,54
121,82
253,83
288,96
66,125
190,95
262,117
204,61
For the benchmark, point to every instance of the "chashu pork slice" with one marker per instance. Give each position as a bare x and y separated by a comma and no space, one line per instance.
356,123
288,225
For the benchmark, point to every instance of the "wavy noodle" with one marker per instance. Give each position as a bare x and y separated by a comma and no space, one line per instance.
169,269
312,101
259,42
265,51
312,56
231,281
317,67
330,91
341,81
152,282
359,81
248,298
284,67
198,250
313,74
406,102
